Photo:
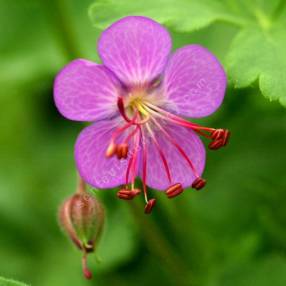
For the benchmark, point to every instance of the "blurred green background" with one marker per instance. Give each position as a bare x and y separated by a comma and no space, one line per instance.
231,233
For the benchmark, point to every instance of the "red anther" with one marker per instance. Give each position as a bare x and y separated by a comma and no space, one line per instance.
217,134
111,150
149,206
174,190
136,191
198,183
119,153
128,194
226,136
122,151
216,144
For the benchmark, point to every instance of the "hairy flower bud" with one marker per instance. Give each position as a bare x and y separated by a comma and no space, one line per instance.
82,217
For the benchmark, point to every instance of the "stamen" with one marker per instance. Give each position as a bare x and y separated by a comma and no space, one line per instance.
215,145
172,117
149,111
131,134
128,170
217,134
179,148
163,158
174,190
220,137
111,150
125,194
144,175
112,147
122,151
198,183
226,137
120,105
119,130
149,206
147,118
134,161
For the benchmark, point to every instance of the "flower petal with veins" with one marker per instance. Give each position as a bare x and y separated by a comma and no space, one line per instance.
136,49
86,91
194,82
180,170
93,166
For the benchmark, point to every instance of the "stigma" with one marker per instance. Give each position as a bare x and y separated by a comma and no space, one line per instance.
144,115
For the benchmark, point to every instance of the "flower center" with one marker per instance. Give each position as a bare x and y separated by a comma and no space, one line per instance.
138,99
144,115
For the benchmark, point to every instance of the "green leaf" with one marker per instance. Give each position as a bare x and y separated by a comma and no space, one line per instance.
183,15
9,282
258,53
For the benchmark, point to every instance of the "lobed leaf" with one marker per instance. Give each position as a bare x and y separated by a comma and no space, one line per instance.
258,54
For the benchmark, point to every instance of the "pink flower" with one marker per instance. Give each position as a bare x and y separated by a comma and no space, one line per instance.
137,100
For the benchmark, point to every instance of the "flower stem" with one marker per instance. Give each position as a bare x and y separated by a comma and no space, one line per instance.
81,185
161,247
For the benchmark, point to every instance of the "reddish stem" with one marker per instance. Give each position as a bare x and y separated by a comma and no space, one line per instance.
86,272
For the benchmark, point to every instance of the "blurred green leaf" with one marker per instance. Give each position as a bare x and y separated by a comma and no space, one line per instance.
9,282
265,271
118,242
258,53
183,15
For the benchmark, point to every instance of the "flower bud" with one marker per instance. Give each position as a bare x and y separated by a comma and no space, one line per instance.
82,217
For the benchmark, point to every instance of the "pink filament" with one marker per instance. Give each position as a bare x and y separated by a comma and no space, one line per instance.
131,168
162,155
144,175
178,120
179,148
131,134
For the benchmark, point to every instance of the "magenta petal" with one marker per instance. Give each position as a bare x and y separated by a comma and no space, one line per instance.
86,91
179,168
135,48
194,82
92,164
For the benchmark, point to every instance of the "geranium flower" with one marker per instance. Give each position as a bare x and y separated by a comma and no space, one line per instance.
138,99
